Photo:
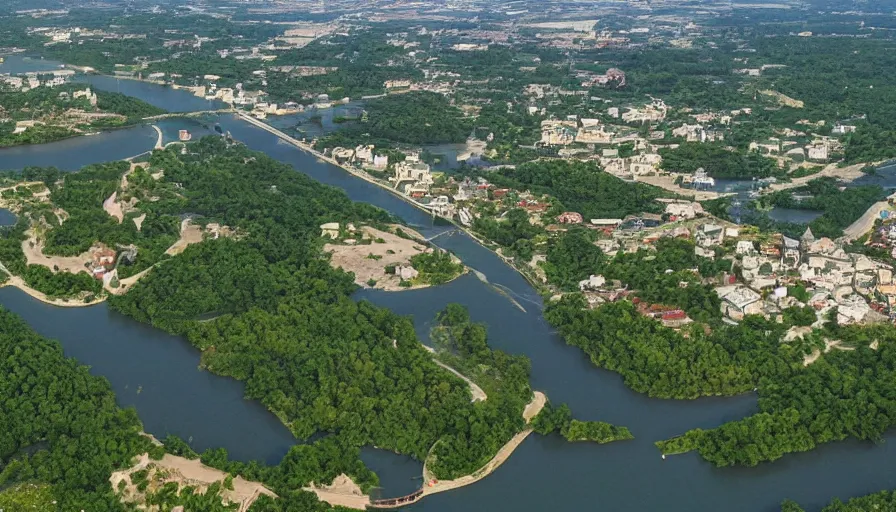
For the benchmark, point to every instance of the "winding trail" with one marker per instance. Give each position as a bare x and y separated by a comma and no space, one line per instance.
475,390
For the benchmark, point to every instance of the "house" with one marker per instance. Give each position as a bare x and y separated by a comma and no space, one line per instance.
740,302
406,272
330,229
570,218
791,253
684,210
343,155
364,154
709,235
609,247
593,283
818,152
745,247
675,318
852,310
380,162
103,257
414,175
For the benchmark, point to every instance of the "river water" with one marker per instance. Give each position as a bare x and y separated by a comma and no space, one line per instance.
157,374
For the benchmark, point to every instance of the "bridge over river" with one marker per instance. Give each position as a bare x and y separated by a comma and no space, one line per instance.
200,113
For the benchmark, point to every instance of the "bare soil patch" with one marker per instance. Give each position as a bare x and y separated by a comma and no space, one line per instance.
189,234
184,472
342,492
368,261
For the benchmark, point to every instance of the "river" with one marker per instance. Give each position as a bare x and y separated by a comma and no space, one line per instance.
157,374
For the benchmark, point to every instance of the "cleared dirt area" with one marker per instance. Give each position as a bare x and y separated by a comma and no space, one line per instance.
184,472
138,221
189,234
34,255
368,261
342,492
113,207
782,99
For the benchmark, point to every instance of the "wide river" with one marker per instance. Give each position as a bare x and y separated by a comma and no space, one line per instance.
157,374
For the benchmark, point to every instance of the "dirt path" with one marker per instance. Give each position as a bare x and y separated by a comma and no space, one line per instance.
19,283
125,284
475,390
668,183
848,173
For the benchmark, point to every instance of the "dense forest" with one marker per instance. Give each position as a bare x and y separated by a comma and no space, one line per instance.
61,433
559,419
718,161
663,363
880,501
581,187
844,394
349,368
414,118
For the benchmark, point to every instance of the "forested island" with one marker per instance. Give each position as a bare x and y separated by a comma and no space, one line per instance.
274,274
46,114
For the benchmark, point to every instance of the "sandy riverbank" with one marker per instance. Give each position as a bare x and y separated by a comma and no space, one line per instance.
434,486
73,302
184,472
342,492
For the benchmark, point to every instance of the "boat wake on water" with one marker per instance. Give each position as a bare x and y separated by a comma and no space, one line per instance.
503,290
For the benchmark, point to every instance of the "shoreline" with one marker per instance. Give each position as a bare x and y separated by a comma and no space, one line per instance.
304,146
17,282
346,498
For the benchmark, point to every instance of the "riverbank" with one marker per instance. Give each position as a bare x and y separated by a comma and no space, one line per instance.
865,223
18,282
184,473
385,186
435,486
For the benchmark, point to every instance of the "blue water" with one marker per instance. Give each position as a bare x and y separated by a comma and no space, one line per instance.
794,215
7,218
545,473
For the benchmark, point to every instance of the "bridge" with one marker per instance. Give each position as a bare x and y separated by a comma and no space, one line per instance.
198,113
392,503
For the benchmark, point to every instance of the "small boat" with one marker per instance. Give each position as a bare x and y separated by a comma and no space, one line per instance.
218,129
184,136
